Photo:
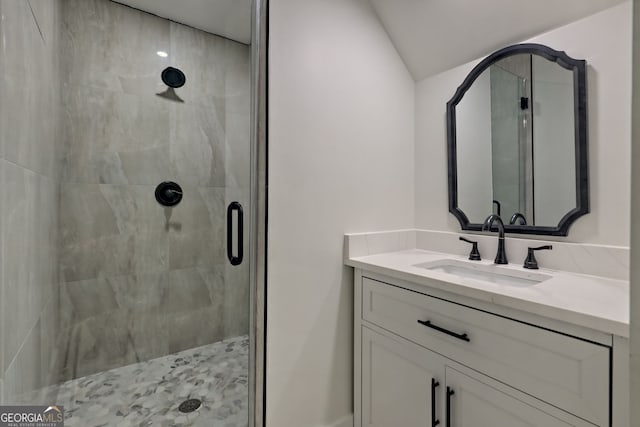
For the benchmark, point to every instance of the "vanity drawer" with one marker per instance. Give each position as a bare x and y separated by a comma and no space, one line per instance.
563,371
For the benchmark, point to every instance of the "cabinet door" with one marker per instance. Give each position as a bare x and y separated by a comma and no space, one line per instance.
401,383
473,400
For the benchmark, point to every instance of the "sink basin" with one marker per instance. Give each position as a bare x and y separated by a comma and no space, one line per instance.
485,273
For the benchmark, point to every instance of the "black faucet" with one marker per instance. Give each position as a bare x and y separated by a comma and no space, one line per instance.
501,256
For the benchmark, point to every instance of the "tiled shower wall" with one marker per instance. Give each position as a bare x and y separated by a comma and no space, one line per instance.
139,280
29,189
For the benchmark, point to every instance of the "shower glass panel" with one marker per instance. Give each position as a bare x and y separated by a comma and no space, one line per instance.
510,118
125,162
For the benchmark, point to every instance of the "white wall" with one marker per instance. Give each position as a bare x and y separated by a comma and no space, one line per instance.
341,144
604,40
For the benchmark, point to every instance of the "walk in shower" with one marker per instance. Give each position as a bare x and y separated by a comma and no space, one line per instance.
128,214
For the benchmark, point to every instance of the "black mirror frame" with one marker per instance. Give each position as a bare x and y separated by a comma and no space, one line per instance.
580,124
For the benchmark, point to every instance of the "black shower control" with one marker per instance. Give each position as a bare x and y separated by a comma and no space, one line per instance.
173,77
168,193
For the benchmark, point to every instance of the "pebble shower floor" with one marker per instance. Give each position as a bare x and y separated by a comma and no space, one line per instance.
149,393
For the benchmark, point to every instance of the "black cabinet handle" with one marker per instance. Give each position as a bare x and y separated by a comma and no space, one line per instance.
428,324
450,393
235,206
434,419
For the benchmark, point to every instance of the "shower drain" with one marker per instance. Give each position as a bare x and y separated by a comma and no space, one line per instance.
189,405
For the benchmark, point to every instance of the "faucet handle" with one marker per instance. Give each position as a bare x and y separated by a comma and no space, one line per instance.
531,261
475,253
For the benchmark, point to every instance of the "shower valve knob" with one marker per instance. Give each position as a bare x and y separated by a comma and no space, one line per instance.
168,193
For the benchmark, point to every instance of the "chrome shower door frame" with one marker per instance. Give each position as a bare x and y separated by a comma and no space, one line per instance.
258,214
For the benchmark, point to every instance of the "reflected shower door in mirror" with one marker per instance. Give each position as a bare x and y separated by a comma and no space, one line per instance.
517,142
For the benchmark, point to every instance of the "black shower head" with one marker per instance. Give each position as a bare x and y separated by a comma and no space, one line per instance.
173,77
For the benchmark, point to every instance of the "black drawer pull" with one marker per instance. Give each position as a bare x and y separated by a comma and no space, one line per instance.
450,393
434,385
428,324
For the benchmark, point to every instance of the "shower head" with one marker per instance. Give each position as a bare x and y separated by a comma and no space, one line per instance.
173,77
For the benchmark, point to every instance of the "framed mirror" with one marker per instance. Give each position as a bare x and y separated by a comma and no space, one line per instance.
517,142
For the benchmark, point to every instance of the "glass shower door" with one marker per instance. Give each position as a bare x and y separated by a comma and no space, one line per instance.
146,307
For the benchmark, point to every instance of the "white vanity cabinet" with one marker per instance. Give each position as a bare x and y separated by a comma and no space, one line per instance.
425,359
401,382
406,385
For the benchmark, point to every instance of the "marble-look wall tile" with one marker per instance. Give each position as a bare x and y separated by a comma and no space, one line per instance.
195,328
135,208
113,47
238,116
30,142
29,252
198,144
236,300
237,79
199,210
85,214
149,333
37,364
197,248
237,151
52,343
187,291
115,138
3,164
202,57
47,15
159,314
99,343
138,299
135,253
29,106
163,300
160,271
90,211
91,297
23,374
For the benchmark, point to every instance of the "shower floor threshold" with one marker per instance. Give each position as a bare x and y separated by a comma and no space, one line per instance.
149,393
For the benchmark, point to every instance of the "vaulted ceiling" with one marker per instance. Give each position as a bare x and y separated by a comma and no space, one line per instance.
435,35
430,35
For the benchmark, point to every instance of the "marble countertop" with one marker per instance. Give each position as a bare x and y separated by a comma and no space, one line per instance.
593,302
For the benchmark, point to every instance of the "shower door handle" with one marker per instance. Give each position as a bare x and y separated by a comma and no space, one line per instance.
235,206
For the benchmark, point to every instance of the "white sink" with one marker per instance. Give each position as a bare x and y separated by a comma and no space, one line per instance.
485,273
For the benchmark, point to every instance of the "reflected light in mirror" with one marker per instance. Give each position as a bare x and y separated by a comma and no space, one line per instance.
162,54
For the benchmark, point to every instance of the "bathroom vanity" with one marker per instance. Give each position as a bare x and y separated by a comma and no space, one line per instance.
443,341
444,337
